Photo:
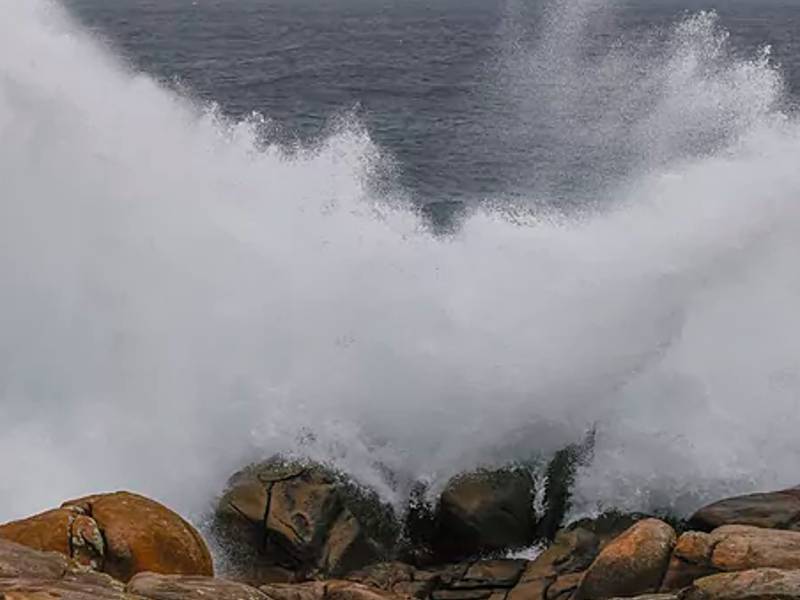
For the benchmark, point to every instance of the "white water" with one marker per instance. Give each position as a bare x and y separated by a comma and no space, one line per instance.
175,301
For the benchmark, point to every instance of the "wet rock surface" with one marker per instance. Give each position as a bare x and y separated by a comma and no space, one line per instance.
111,546
483,512
301,517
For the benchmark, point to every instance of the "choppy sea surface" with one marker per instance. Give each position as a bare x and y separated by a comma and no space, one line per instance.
450,87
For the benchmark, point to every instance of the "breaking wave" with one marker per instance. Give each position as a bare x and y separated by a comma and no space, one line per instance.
180,295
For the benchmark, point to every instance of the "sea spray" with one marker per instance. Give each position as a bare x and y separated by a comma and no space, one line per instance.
179,298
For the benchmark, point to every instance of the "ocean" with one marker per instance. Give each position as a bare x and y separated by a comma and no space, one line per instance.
407,238
447,87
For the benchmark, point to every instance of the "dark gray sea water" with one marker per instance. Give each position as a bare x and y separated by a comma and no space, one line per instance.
460,93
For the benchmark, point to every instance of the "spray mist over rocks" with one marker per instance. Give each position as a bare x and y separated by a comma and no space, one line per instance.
179,298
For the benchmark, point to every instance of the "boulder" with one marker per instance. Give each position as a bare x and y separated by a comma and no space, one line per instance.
347,590
730,548
36,589
632,564
191,587
741,548
327,590
384,575
310,590
499,573
534,589
401,578
49,531
478,579
28,574
301,517
563,563
758,584
691,559
23,562
775,510
564,587
484,512
120,534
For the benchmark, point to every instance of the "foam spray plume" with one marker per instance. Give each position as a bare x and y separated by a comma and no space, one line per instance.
178,299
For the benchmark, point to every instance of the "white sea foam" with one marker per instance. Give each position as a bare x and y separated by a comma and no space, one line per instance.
177,299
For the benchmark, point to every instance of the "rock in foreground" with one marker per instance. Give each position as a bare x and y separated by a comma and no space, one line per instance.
759,584
28,574
632,564
120,534
190,587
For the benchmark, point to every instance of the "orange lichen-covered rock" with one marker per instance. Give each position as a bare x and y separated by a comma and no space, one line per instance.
121,534
634,563
143,535
48,531
690,560
740,548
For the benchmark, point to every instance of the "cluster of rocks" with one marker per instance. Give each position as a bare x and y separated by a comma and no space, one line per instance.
301,532
284,520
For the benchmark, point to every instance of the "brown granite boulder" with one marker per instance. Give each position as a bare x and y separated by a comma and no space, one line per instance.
309,590
347,590
559,567
74,588
483,512
632,564
740,548
691,559
191,587
731,548
18,561
475,580
302,518
327,590
400,578
774,510
120,534
564,587
28,574
758,584
49,531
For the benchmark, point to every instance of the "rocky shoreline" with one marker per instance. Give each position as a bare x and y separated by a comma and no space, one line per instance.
298,531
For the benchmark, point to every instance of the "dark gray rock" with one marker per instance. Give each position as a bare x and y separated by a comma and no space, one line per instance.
484,512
